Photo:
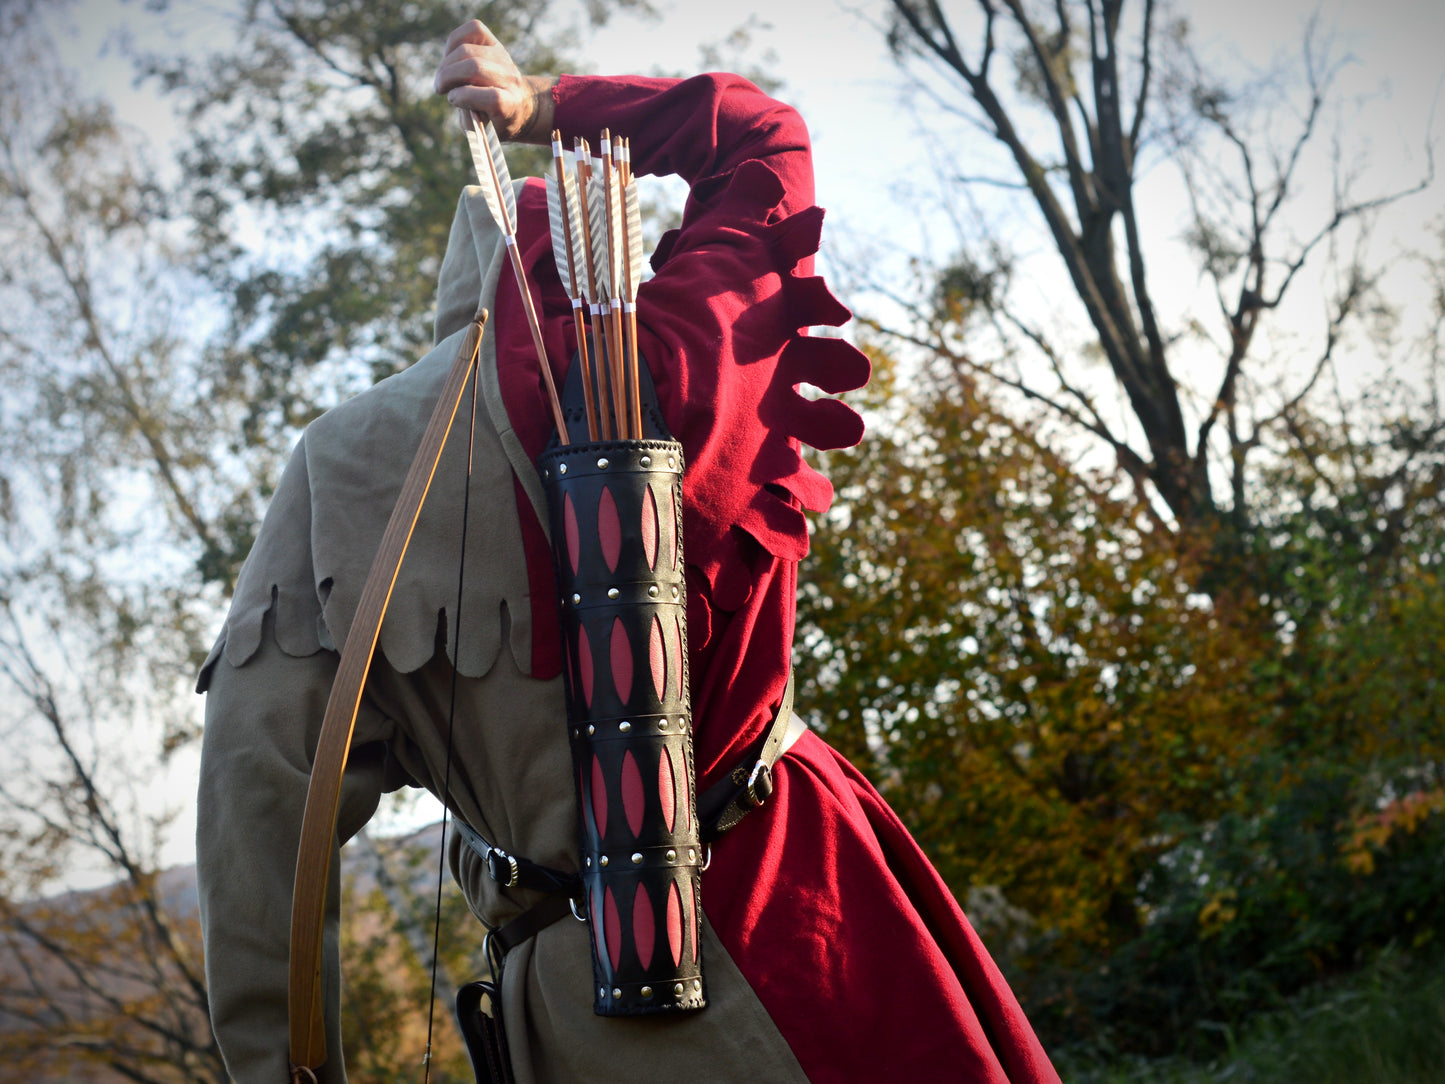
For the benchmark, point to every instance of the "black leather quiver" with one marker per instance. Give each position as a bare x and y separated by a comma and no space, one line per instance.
616,522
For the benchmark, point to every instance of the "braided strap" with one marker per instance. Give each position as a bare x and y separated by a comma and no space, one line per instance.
616,514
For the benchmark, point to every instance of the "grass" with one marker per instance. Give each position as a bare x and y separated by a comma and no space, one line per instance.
1382,1026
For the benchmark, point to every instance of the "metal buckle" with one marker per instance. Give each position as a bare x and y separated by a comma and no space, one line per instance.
495,859
760,784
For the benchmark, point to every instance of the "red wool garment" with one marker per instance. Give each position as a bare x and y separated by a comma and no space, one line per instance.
833,914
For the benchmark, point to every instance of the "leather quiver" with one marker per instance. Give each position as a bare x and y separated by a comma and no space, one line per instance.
616,524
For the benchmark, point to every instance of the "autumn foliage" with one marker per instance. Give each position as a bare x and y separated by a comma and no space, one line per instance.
1197,779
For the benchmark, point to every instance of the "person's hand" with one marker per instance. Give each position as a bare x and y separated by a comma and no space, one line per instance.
478,73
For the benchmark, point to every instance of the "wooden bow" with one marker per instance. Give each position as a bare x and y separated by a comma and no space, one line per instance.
323,797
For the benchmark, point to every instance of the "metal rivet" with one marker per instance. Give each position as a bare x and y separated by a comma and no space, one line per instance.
577,599
697,986
692,854
601,991
602,861
674,592
647,991
561,468
652,590
637,858
671,462
546,474
678,989
589,861
602,463
647,461
591,729
612,592
616,992
671,855
624,726
662,724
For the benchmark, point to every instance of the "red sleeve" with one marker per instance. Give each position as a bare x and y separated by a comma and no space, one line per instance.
723,321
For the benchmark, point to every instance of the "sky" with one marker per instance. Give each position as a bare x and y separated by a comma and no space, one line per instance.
872,152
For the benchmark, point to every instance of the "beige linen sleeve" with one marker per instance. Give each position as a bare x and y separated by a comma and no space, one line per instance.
262,723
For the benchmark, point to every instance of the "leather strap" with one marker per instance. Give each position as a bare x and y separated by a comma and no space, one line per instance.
510,871
527,925
323,797
750,784
721,807
482,1030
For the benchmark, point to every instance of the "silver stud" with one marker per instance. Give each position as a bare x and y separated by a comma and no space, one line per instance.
692,854
647,991
616,992
612,592
577,599
679,989
624,726
601,991
697,986
637,858
652,590
591,729
671,855
647,461
662,724
671,462
674,591
602,861
602,463
561,468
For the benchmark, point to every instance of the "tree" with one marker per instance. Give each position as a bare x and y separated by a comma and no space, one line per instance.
314,125
106,441
1160,806
109,979
388,931
1019,657
1101,90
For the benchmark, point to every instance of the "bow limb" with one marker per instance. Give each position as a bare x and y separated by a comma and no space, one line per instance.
323,797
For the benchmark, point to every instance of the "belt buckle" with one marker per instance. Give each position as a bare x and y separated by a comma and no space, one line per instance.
502,868
760,784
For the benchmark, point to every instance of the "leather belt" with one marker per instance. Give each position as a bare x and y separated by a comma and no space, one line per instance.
747,787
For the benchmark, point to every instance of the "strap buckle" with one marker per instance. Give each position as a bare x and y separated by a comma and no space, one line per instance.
503,868
760,784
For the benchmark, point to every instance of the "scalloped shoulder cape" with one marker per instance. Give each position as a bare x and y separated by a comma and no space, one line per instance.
325,521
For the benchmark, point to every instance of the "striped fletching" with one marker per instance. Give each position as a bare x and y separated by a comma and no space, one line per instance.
560,224
634,242
614,220
493,175
597,213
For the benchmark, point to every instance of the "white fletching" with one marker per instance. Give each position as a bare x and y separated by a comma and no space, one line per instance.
597,215
634,241
559,234
493,175
614,213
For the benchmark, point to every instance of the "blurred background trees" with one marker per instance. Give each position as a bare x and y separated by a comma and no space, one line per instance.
1130,602
1133,603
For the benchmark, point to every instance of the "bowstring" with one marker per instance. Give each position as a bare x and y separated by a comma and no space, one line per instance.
451,718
